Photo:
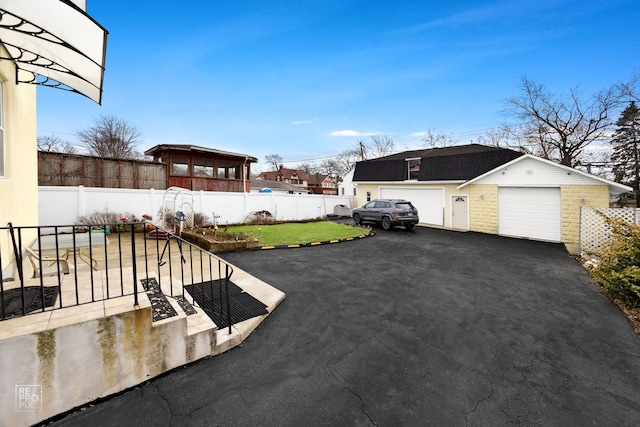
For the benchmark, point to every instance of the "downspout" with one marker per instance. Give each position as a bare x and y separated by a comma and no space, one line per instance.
244,174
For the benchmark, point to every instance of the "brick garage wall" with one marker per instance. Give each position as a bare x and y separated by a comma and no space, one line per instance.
572,198
483,208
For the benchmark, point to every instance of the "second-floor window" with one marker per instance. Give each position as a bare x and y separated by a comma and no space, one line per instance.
413,169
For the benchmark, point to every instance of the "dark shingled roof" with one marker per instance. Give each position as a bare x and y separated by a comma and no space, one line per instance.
457,163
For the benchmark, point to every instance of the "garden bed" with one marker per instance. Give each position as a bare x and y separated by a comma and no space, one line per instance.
217,241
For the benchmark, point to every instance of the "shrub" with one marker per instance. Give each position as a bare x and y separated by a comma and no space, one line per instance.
618,268
260,218
104,217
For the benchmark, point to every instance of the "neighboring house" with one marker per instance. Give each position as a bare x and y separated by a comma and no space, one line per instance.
38,46
346,186
295,177
261,186
487,189
201,168
320,183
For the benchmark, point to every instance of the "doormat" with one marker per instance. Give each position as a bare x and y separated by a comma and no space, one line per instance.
160,306
12,300
210,297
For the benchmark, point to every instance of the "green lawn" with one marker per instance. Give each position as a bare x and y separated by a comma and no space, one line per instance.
298,233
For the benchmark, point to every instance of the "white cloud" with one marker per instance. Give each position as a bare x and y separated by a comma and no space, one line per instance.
349,132
304,122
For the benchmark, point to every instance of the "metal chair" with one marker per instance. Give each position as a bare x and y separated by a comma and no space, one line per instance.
50,266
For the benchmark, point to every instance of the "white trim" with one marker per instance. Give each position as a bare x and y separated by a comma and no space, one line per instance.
407,182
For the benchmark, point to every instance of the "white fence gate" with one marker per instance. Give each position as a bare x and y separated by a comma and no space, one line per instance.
64,205
594,230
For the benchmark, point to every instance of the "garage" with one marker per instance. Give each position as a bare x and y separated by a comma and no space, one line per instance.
428,201
530,212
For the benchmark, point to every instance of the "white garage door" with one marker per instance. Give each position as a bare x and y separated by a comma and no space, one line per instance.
428,201
533,213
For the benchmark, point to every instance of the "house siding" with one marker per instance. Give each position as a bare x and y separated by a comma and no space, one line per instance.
572,198
483,208
449,190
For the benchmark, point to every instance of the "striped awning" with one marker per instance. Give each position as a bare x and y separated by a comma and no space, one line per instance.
54,43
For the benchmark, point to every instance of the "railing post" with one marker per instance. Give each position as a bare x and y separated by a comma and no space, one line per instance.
226,274
133,265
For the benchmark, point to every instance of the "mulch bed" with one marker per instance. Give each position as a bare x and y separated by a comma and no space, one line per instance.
12,300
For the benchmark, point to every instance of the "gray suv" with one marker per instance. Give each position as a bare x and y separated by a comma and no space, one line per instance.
388,213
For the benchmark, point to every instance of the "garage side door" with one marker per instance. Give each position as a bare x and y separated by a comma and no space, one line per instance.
533,213
428,201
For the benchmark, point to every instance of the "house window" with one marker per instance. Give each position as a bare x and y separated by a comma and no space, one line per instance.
413,169
228,172
1,130
368,196
180,166
202,167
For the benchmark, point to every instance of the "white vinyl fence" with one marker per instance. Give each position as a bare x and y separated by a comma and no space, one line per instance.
594,230
64,205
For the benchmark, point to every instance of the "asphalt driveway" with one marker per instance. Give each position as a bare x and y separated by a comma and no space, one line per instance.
428,327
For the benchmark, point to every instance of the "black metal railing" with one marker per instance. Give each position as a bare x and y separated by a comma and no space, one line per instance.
55,267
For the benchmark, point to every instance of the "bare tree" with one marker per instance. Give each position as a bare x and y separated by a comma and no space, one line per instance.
435,139
341,164
378,147
275,160
309,168
563,127
381,146
111,137
54,144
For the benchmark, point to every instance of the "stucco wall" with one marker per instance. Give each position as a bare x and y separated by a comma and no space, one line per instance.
483,208
82,362
19,186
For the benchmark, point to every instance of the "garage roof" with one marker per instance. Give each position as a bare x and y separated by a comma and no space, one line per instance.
456,163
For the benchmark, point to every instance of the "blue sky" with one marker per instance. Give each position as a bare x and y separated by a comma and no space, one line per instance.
307,79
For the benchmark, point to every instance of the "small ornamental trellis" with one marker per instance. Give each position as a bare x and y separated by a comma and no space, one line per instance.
594,230
177,209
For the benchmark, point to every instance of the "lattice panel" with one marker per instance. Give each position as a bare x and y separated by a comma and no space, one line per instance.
594,231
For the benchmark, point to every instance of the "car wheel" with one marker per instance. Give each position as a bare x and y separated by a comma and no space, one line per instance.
409,226
356,219
386,223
